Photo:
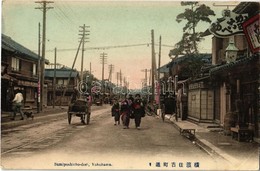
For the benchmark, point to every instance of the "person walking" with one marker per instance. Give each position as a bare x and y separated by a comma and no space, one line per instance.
170,105
115,112
75,95
138,110
125,113
17,104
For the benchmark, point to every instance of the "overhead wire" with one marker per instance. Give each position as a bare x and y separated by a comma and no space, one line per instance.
111,47
62,16
70,10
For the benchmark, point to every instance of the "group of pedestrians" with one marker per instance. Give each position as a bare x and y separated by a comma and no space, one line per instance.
128,108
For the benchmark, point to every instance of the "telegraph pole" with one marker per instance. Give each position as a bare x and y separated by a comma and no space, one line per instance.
145,76
103,57
158,78
153,64
120,77
39,70
54,78
44,9
75,59
111,69
83,34
117,78
90,68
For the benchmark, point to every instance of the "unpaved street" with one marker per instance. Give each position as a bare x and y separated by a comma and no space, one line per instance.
101,145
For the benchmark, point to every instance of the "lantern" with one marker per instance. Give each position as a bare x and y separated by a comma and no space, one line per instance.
231,51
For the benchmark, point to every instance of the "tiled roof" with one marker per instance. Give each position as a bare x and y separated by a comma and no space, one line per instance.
11,45
228,66
164,68
203,56
252,8
61,73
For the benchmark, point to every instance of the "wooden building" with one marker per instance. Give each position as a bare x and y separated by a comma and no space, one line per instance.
62,77
194,96
235,81
19,71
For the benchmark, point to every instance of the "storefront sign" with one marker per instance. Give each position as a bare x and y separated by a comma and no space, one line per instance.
229,25
252,32
196,85
27,83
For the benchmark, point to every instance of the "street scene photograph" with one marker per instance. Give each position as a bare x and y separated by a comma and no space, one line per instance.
130,85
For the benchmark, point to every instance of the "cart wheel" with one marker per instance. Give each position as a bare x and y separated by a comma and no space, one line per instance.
82,118
88,118
69,118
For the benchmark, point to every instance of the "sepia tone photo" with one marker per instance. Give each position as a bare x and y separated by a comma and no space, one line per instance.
130,85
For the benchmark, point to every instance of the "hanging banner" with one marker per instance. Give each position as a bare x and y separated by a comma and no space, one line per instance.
228,25
252,31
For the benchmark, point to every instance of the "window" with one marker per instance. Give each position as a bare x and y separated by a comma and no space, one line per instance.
15,64
34,70
60,81
63,81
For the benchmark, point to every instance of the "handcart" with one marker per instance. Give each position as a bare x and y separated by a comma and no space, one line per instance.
81,109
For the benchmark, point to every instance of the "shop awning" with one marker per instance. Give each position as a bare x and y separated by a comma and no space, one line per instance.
8,77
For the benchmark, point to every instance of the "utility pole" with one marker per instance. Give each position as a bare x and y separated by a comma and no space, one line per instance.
90,68
117,78
111,69
44,9
39,70
103,57
54,79
145,76
124,81
75,59
120,77
153,64
83,34
158,78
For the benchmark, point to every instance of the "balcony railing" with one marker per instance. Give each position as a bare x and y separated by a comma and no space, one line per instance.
24,73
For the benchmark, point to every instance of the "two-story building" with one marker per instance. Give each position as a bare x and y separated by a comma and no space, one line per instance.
19,71
235,55
66,78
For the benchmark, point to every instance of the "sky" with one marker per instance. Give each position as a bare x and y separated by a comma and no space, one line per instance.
111,23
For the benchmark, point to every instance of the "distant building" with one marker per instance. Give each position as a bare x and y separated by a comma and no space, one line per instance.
186,73
63,74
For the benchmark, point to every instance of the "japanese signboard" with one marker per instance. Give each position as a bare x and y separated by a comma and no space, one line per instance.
228,25
252,32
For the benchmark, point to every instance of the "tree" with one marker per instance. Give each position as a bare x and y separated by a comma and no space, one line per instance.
189,66
194,15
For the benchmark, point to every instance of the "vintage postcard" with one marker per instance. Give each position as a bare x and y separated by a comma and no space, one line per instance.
130,85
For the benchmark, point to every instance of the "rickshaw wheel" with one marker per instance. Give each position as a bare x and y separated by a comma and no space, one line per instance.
69,117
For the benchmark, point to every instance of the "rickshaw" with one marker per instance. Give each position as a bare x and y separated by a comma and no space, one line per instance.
81,109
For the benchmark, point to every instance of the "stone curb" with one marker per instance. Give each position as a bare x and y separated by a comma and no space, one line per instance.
207,147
